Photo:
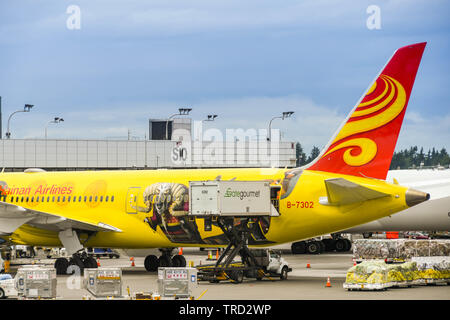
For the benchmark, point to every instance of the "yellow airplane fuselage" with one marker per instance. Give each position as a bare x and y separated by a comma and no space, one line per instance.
105,196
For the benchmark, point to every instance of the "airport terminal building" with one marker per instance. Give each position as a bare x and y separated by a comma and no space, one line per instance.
171,144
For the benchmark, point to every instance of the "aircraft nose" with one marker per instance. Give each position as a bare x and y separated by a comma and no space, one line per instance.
414,197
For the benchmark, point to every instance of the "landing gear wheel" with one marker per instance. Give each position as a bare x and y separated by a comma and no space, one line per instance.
90,262
151,263
76,262
61,265
165,261
178,261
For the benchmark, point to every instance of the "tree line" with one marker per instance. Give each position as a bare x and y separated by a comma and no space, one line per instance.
402,159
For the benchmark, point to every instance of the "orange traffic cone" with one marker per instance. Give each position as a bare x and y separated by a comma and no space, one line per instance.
308,265
328,283
98,262
180,252
217,254
132,262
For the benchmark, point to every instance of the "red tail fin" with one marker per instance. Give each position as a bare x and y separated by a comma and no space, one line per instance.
364,145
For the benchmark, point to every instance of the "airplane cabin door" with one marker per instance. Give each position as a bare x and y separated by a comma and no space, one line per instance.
132,200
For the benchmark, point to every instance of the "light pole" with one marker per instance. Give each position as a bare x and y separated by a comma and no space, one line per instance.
26,108
286,114
181,112
55,120
210,117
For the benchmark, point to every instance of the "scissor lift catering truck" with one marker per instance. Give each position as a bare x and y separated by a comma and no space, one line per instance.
236,207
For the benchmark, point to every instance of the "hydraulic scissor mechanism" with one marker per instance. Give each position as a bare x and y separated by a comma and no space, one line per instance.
238,236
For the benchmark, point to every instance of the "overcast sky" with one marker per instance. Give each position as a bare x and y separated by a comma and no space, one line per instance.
246,61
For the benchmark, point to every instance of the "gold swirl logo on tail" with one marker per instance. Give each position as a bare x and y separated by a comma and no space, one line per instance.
370,115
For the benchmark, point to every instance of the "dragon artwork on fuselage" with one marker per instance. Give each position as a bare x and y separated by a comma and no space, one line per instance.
167,206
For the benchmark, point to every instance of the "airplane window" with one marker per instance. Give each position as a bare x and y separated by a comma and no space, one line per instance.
64,199
106,199
59,198
48,199
53,199
96,198
90,198
74,199
79,199
112,198
32,199
28,199
68,198
12,199
21,200
43,199
101,198
85,198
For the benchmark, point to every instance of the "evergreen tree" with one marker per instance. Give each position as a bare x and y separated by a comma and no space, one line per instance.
299,155
412,158
314,154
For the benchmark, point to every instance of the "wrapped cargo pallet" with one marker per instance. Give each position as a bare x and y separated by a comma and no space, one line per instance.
404,249
376,274
368,275
404,274
433,270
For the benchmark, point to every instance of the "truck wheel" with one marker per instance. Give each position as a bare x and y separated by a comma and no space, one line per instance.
284,273
2,294
237,276
313,247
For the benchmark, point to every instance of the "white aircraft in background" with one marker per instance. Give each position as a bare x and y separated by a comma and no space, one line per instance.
432,215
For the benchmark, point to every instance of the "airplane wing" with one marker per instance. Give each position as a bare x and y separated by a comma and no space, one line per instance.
341,192
13,216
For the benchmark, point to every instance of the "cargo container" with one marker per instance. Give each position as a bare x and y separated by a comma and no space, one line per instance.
231,198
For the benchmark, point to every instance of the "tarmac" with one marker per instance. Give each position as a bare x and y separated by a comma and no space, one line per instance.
302,284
